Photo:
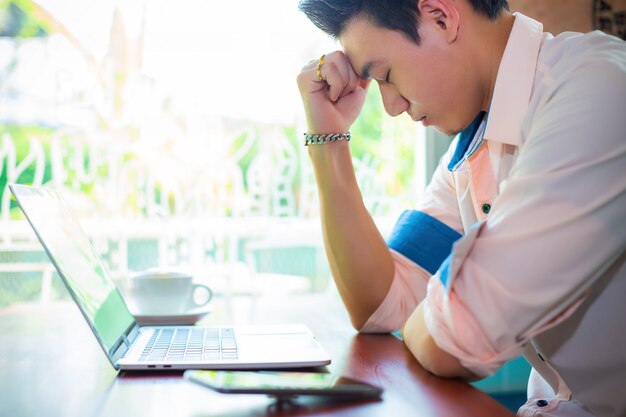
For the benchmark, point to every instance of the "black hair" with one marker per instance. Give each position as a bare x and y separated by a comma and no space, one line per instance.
332,16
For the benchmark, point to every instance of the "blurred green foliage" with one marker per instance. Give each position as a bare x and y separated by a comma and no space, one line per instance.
18,20
21,135
385,146
389,141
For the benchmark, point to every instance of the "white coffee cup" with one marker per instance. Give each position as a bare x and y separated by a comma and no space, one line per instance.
163,292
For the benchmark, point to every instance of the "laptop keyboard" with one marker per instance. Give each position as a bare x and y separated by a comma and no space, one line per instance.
190,345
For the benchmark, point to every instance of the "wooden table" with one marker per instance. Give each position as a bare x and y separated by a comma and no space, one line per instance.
51,365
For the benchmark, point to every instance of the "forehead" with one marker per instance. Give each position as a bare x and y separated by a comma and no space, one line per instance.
369,46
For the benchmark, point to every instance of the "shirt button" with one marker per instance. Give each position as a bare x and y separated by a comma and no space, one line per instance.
542,403
486,207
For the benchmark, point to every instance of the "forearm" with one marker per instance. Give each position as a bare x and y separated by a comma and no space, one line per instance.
333,96
358,255
418,340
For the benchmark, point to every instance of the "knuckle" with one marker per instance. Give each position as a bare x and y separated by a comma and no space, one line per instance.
334,57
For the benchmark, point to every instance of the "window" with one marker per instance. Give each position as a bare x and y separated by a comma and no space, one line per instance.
174,130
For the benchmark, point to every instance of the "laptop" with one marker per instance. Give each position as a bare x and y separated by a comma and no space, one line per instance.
130,346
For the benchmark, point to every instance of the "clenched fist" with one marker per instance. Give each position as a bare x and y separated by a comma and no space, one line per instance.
333,100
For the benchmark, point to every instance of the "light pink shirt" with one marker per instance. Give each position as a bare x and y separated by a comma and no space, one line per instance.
543,273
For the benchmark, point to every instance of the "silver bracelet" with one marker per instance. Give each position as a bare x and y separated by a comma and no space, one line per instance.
314,139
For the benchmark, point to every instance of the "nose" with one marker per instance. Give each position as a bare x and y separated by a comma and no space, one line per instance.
393,101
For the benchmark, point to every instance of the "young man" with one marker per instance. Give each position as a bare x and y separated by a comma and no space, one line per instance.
519,245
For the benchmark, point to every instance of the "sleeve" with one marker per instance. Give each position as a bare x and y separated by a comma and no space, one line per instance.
419,242
556,227
407,290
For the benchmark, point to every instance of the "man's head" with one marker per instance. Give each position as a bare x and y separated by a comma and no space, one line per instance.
400,15
431,58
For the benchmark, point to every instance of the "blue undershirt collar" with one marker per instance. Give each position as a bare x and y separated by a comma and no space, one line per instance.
466,138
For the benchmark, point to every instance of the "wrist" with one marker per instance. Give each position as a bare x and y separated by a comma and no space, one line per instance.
329,151
324,138
331,159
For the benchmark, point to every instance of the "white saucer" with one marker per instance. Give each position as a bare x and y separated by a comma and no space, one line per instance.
185,318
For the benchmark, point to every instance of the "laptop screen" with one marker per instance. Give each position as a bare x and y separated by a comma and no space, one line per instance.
77,262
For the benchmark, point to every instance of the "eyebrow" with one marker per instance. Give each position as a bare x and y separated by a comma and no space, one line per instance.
366,69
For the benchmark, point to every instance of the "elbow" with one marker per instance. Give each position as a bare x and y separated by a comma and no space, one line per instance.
448,372
366,327
362,324
423,347
437,367
358,322
360,316
443,365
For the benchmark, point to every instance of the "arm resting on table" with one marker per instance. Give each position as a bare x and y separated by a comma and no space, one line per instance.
421,344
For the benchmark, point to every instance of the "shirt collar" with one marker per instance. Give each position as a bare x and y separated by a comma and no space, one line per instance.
514,81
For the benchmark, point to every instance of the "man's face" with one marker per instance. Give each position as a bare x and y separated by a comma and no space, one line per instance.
429,82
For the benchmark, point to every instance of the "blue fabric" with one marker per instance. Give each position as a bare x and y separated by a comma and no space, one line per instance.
423,239
465,139
444,276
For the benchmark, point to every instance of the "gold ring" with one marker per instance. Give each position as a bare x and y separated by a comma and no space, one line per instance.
319,68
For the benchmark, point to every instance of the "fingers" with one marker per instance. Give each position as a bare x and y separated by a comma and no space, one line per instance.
335,75
339,75
333,100
353,80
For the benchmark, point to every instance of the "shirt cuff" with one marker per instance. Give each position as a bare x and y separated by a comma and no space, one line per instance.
423,239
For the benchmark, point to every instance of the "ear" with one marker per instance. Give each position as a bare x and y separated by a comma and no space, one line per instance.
443,14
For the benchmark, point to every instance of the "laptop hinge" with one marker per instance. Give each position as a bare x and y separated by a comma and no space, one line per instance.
124,342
